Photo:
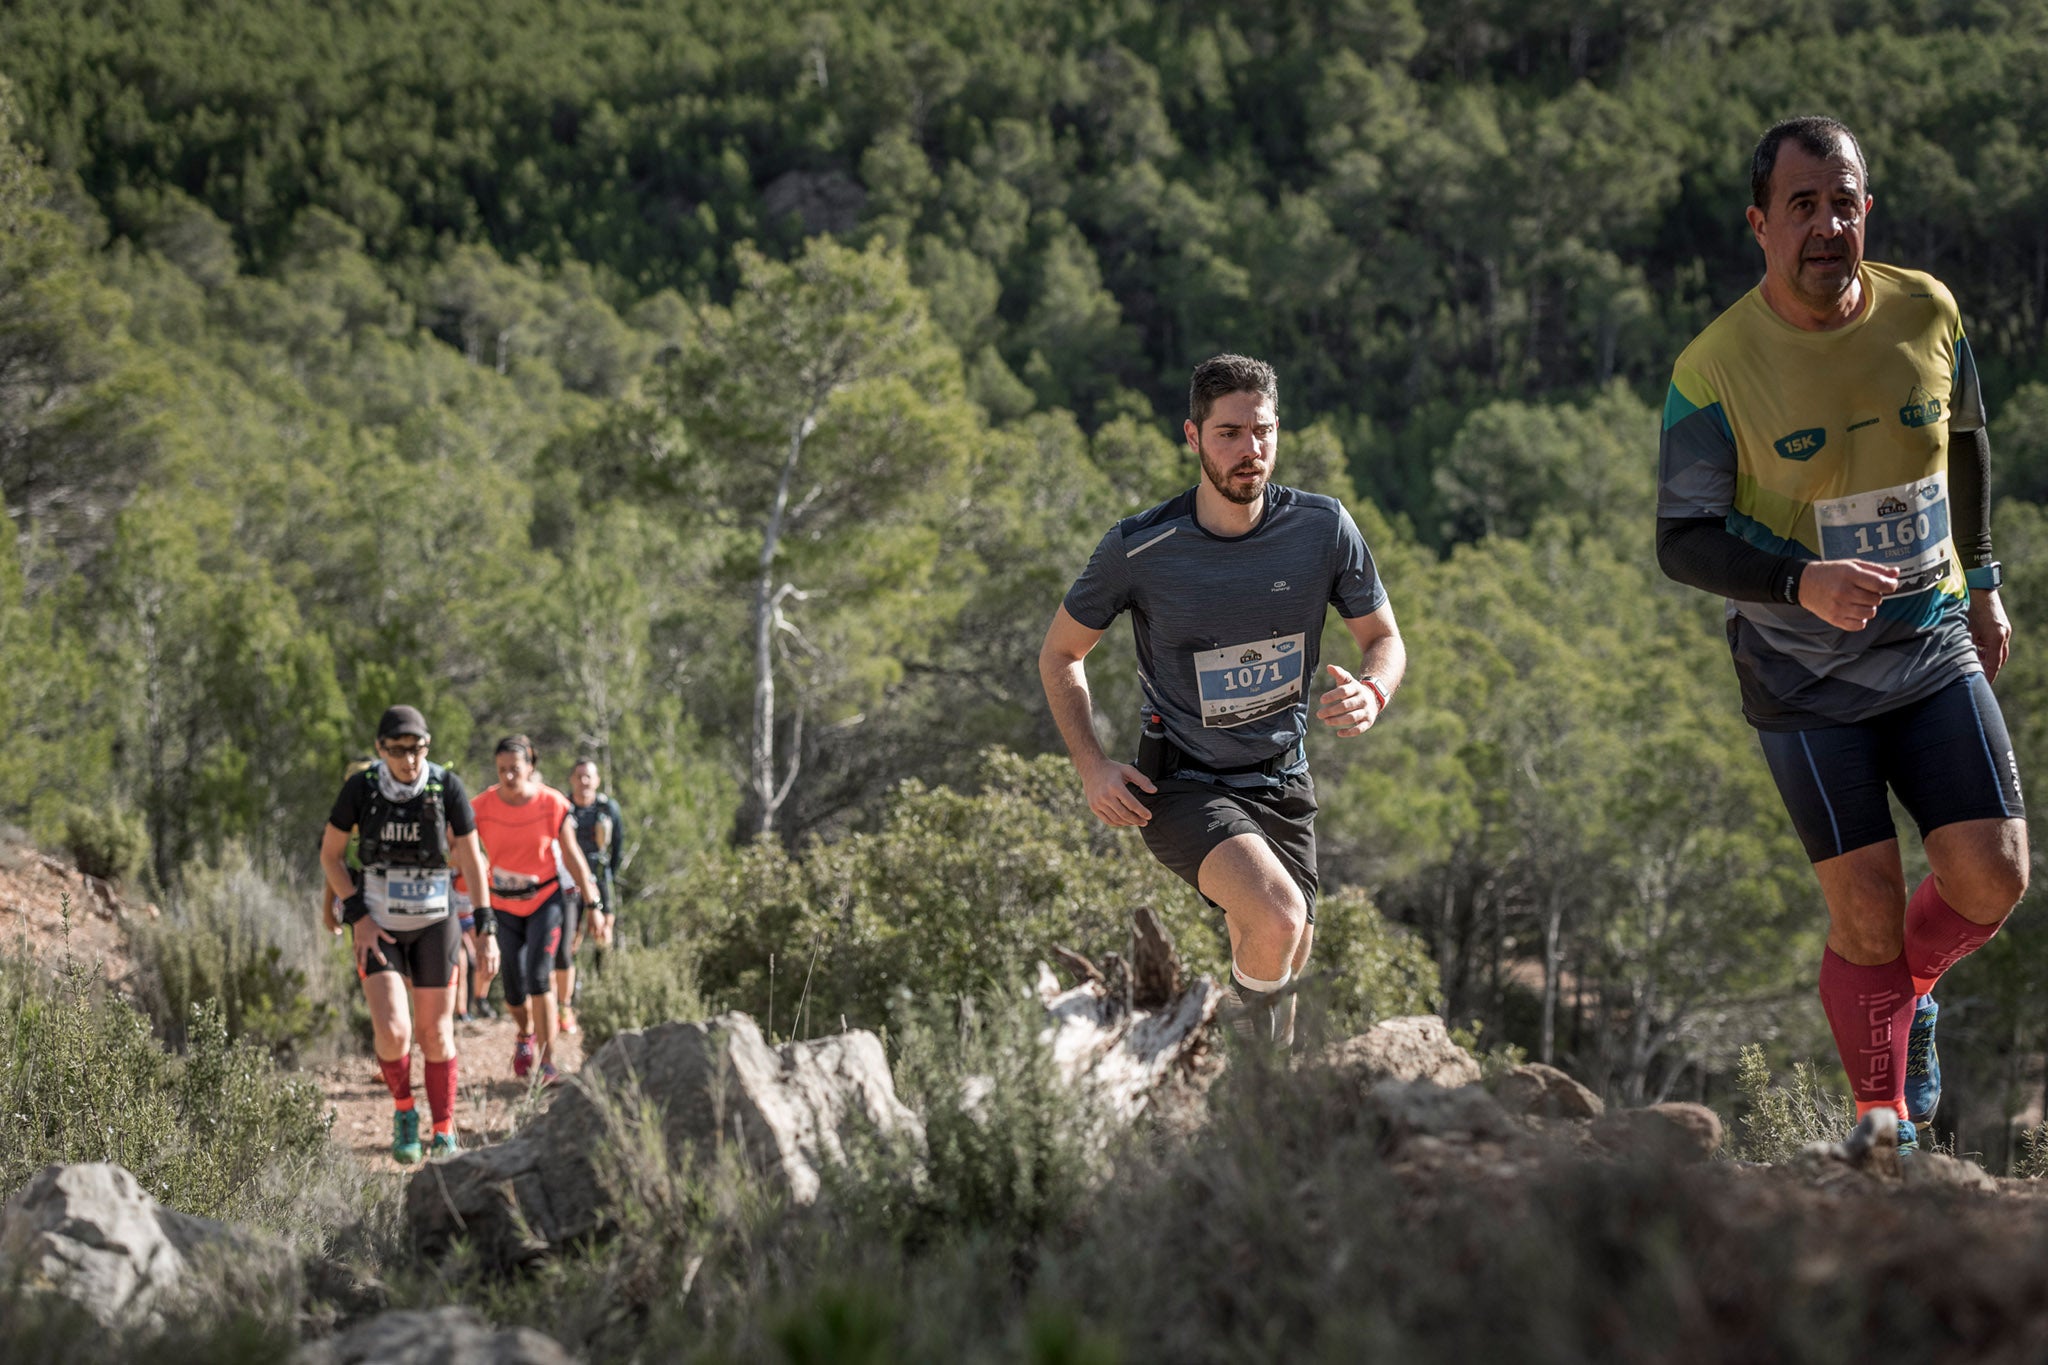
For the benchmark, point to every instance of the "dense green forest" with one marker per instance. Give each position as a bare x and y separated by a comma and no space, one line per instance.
583,368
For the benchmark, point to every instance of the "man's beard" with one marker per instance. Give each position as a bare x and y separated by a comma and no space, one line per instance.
1219,478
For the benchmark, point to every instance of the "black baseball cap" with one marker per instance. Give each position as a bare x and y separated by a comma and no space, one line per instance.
402,720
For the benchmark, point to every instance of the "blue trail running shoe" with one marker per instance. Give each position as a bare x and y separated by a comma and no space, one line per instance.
405,1136
1909,1136
1923,1063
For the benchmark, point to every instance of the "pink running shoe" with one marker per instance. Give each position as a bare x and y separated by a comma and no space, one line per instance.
548,1074
522,1056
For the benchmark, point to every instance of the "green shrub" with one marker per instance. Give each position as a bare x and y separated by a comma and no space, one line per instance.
232,936
111,844
1366,967
1010,1149
957,893
637,989
82,1078
1779,1120
2031,1163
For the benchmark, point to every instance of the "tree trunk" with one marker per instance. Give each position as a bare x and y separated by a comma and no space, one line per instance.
770,793
1553,925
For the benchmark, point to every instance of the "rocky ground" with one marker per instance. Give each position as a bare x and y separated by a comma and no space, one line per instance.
49,909
489,1096
1524,1182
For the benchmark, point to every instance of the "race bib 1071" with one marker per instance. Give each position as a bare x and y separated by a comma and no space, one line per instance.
1904,528
1244,683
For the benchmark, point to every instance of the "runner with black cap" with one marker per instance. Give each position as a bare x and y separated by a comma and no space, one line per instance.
411,818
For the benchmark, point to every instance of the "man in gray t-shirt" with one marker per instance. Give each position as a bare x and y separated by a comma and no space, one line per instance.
1227,585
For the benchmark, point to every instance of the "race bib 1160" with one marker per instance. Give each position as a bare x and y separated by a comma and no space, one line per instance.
1904,528
1244,683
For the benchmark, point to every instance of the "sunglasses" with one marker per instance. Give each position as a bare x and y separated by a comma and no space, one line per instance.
407,750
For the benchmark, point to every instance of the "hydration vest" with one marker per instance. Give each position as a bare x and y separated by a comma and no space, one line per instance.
405,833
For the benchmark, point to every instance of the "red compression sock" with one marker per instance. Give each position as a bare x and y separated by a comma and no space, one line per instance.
441,1092
398,1075
1937,937
1870,1010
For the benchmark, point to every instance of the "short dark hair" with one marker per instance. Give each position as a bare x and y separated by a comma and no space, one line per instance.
1816,135
1227,374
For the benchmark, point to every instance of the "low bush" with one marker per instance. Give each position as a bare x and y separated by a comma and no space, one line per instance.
958,894
1778,1120
234,937
637,988
82,1078
1366,967
110,843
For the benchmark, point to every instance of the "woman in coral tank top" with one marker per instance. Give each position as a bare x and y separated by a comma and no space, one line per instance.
525,824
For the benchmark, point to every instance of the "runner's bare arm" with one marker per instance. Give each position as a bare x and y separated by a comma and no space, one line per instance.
334,862
468,856
579,866
1351,705
1062,670
579,869
468,853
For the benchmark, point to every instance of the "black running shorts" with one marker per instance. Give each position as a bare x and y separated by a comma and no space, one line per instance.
1947,756
425,957
526,950
1191,817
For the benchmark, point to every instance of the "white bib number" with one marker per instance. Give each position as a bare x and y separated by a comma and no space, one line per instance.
1903,528
397,894
1244,683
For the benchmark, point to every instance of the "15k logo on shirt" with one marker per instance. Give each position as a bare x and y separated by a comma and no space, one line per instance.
1802,445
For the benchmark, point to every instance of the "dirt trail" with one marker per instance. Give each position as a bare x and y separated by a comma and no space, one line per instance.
487,1096
49,910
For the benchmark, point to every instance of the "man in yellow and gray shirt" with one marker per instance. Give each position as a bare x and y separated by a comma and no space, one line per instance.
1825,467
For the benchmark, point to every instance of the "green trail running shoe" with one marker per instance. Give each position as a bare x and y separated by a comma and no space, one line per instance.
443,1145
405,1136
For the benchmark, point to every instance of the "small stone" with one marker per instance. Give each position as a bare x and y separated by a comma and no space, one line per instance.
1545,1092
1415,1048
1673,1133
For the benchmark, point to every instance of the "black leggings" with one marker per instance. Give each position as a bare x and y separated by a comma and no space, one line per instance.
526,950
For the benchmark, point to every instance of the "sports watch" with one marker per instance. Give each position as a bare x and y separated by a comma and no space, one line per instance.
1985,577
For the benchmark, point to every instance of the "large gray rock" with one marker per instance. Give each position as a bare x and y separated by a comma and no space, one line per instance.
1415,1048
791,1108
446,1336
91,1233
1545,1092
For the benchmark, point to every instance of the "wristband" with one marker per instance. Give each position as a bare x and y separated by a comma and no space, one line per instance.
354,908
486,920
1378,691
